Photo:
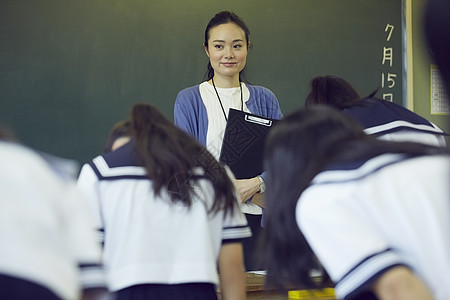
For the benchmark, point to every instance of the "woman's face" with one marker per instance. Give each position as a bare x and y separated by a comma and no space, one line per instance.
227,49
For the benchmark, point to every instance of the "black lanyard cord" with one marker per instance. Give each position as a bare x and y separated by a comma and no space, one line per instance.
220,101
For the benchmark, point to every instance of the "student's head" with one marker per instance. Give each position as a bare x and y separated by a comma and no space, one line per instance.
437,30
226,44
119,135
331,90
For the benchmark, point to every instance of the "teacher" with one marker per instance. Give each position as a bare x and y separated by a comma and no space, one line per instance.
202,110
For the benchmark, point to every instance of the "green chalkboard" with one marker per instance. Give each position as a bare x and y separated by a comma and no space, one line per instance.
70,69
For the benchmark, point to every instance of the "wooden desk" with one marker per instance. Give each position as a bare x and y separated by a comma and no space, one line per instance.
256,290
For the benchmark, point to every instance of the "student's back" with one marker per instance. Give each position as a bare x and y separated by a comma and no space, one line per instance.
168,213
148,238
45,231
392,122
383,119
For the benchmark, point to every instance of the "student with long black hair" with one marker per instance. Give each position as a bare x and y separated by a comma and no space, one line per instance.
375,214
169,214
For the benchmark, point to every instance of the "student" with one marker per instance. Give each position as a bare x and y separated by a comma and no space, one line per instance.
384,119
119,135
48,244
374,213
202,110
169,213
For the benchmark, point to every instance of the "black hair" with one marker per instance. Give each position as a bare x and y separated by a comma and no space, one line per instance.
334,91
225,17
173,160
298,148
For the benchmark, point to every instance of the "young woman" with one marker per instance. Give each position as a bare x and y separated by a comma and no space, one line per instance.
169,213
374,213
381,118
202,110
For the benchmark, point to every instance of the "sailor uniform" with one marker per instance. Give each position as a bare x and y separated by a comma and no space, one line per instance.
47,239
390,121
361,220
147,238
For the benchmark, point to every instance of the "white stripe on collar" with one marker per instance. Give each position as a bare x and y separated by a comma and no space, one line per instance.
106,171
396,124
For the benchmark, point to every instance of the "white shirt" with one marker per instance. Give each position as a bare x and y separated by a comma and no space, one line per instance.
230,98
358,222
45,226
147,238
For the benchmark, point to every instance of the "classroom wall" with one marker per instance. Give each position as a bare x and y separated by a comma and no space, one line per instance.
419,67
70,69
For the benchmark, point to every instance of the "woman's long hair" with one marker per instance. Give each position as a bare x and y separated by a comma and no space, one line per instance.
297,149
171,158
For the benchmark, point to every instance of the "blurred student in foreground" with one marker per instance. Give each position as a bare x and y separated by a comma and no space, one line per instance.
374,213
48,244
383,119
169,214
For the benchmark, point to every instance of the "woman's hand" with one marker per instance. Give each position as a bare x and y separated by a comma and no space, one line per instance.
247,188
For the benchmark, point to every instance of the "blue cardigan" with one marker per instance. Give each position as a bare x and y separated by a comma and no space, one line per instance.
190,112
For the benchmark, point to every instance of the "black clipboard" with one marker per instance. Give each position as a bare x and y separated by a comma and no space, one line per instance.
243,143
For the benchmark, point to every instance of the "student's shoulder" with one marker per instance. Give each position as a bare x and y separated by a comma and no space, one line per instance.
11,150
127,155
23,158
381,104
118,163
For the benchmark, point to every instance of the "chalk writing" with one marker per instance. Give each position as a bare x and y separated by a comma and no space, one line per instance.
389,28
388,78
